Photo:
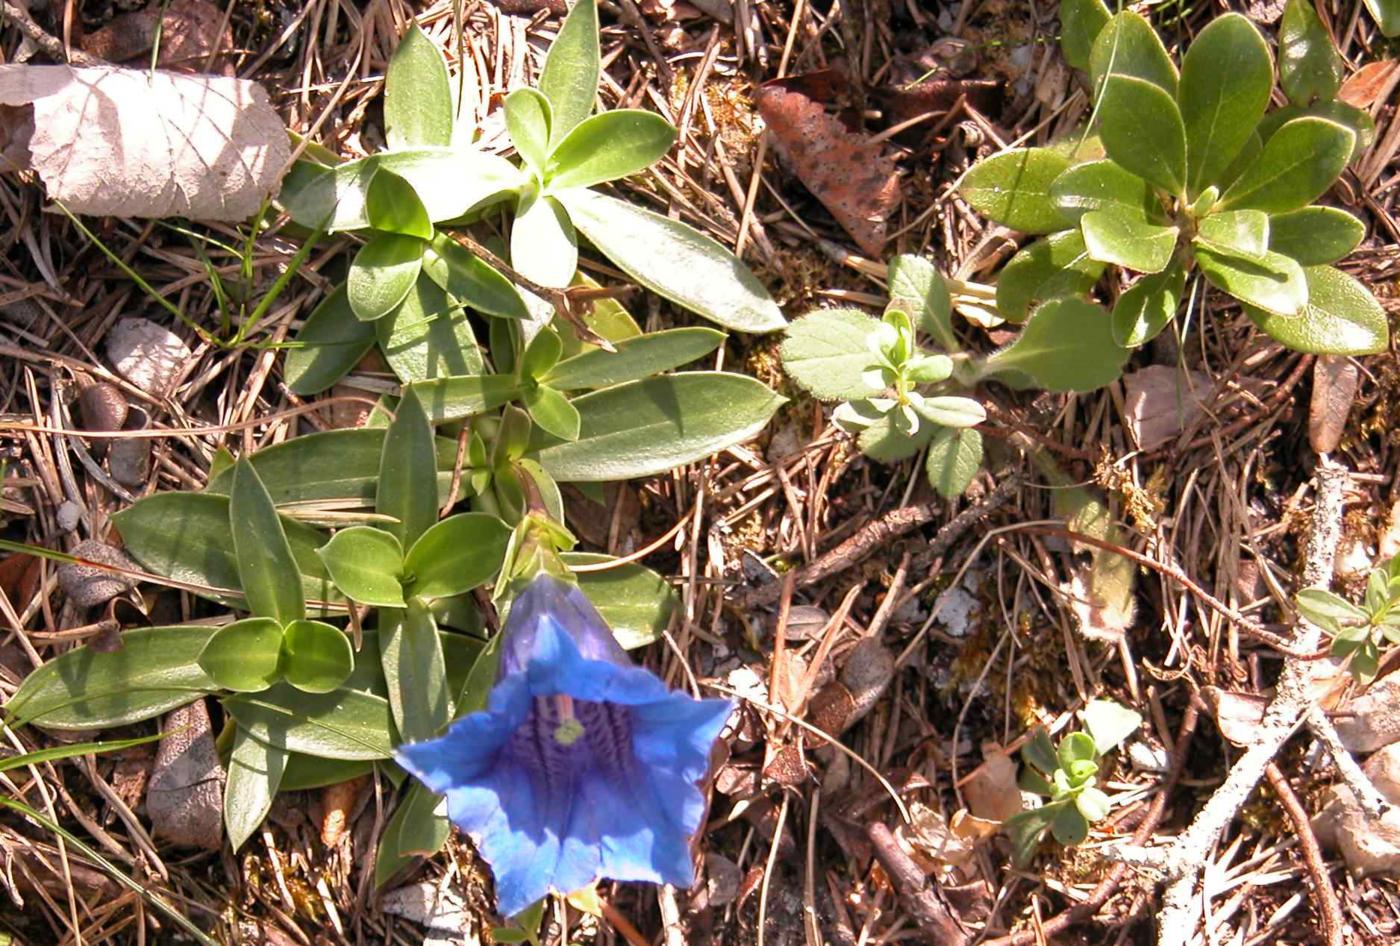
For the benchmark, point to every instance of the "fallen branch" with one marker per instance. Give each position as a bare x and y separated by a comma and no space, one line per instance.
1370,799
916,894
1329,909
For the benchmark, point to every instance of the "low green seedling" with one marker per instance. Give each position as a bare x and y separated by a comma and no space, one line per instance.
1358,630
1184,173
899,397
1067,775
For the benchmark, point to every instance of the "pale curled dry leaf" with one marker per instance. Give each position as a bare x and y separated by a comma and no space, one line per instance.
991,791
185,795
125,142
1371,719
852,177
190,32
1160,401
147,354
1335,380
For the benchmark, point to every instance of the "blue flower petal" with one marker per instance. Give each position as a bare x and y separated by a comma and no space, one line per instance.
548,601
471,744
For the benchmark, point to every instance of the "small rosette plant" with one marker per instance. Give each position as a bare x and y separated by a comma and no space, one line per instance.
1068,776
1185,172
1359,630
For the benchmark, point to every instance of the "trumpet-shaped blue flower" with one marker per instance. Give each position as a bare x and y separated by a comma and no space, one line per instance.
582,766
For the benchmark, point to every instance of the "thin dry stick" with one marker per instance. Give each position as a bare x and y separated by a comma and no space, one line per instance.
1329,910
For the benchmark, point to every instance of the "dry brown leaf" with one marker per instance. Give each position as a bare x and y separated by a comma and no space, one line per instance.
852,177
1335,380
147,354
125,142
185,798
932,840
1160,401
339,801
190,32
87,586
991,790
1369,83
1237,714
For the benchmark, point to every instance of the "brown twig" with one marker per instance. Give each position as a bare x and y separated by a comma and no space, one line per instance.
36,34
917,895
1329,909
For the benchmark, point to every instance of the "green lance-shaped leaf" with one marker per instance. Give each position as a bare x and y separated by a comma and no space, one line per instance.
155,671
634,358
551,411
543,245
1051,268
471,281
1329,610
827,353
1142,131
244,656
674,261
456,555
1315,236
1112,236
1387,15
954,457
382,274
366,563
646,427
417,94
917,288
428,336
1100,185
528,119
1013,188
1341,318
407,487
1298,163
571,70
1148,306
267,571
393,206
1269,281
541,354
1080,23
1237,231
415,671
452,399
1066,346
330,342
1226,77
417,828
255,772
343,724
1129,46
1308,65
609,146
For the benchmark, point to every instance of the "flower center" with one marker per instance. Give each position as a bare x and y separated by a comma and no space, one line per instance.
569,730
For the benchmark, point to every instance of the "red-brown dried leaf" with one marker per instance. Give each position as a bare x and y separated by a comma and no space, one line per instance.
190,32
852,177
1335,380
1369,83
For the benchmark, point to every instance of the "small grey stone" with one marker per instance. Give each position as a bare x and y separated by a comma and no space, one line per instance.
68,514
130,461
148,355
88,585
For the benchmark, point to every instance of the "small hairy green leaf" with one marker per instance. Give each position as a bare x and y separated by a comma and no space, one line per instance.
382,274
1298,163
1050,268
827,353
1112,236
1341,318
417,94
1066,346
954,457
1013,188
917,287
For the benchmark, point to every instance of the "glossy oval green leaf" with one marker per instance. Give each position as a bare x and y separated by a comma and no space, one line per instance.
393,206
954,457
1066,346
1142,131
456,555
1299,163
254,777
1050,268
1341,318
451,399
417,94
609,146
1238,231
1349,116
543,245
188,537
244,656
1013,188
541,354
1129,46
408,472
1226,77
1093,804
1148,306
1315,236
1099,185
1080,23
1269,281
635,601
471,281
316,657
827,353
428,336
415,671
330,342
418,828
156,670
646,427
1387,15
366,564
674,261
449,182
343,724
571,70
633,359
1123,239
528,120
267,571
1308,65
552,412
382,274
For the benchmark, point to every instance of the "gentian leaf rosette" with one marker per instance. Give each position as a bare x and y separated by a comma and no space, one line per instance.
583,766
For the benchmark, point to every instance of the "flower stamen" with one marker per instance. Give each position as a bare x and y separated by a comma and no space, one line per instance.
569,730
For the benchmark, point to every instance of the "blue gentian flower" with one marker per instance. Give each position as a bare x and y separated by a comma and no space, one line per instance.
583,765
